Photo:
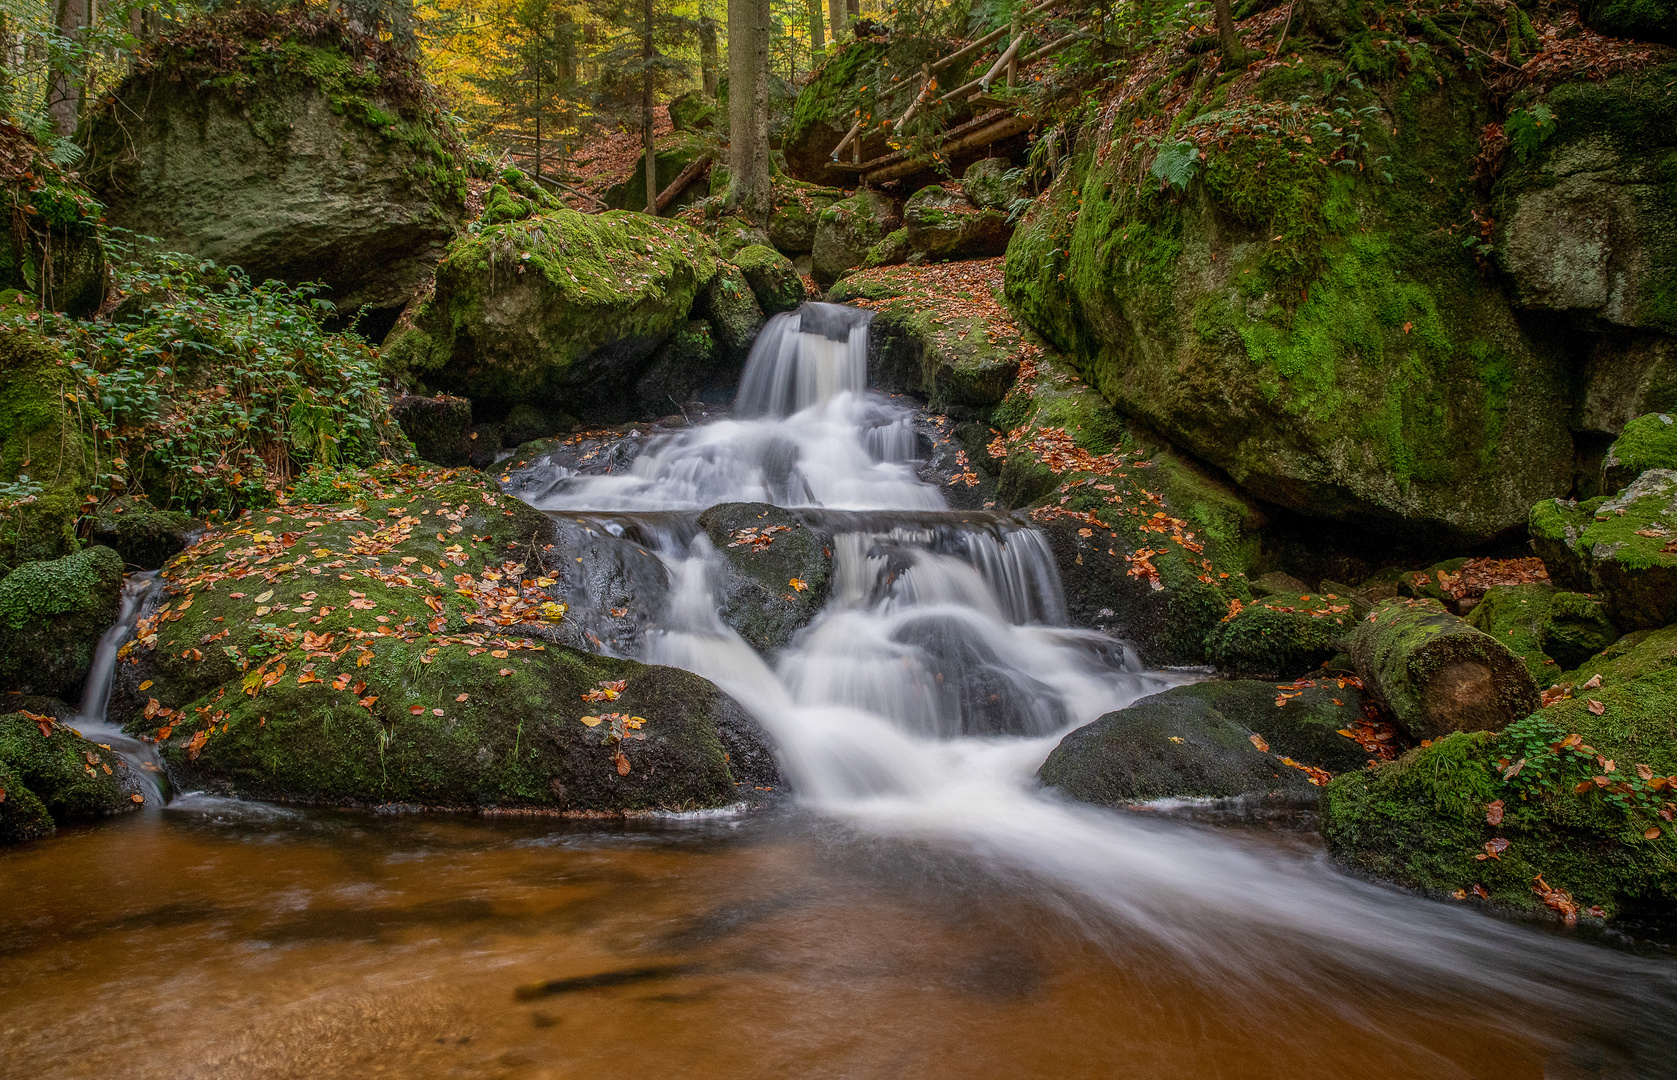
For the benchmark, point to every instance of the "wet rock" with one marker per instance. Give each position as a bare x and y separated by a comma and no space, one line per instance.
52,615
846,230
484,443
1551,630
773,279
767,549
735,317
463,695
1194,741
733,234
975,691
61,773
439,427
1622,549
562,311
1647,442
944,224
526,422
143,535
23,816
1281,636
1436,674
310,165
689,366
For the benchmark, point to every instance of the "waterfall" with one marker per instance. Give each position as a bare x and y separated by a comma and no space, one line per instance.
91,721
805,357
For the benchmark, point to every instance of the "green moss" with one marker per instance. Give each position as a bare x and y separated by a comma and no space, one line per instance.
773,279
1647,442
39,440
23,816
1517,616
73,779
1280,637
1632,657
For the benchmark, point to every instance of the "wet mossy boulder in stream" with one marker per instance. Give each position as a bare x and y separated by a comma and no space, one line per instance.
143,535
560,310
1281,636
1647,442
403,646
1311,327
52,615
286,144
1547,628
779,570
43,468
55,772
1436,674
1210,740
734,314
772,277
1622,549
1456,817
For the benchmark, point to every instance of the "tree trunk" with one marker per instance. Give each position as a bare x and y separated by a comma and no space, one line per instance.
837,20
64,85
707,51
817,34
650,151
749,25
1436,674
1230,41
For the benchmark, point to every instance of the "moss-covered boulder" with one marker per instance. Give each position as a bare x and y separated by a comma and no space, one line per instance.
992,184
53,770
52,615
690,365
779,570
955,361
561,310
1644,20
439,427
43,467
1281,636
773,279
401,646
143,535
695,111
1623,549
1588,219
1210,740
514,197
674,152
285,144
1647,442
890,251
826,107
1436,674
1287,310
1551,630
1458,818
846,230
792,224
730,306
23,816
944,224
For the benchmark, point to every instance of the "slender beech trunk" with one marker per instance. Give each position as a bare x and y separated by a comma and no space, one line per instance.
837,20
749,24
817,34
646,116
1226,37
63,84
707,50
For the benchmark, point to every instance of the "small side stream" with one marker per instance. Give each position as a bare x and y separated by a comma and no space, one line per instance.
139,590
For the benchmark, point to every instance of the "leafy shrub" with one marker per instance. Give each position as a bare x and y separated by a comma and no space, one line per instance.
210,393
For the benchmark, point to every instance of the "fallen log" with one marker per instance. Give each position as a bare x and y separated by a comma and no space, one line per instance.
681,182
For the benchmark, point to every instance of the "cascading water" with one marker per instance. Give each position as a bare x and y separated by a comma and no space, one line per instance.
91,720
920,702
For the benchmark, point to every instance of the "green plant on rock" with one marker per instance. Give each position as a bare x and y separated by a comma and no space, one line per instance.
1177,164
1528,130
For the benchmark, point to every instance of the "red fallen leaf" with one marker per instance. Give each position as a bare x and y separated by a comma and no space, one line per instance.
367,702
1493,849
308,677
366,657
506,671
1596,707
462,697
152,705
1317,777
1596,913
622,761
415,710
1645,772
197,744
359,688
434,604
1558,899
138,800
340,681
1493,813
1479,891
1652,833
1258,741
436,624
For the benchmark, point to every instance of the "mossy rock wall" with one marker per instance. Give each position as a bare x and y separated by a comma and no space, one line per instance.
560,310
1288,314
39,439
52,615
301,158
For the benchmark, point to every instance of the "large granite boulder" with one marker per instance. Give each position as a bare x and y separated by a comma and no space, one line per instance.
294,148
846,230
1623,549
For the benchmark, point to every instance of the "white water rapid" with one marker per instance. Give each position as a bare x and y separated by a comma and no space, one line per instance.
921,701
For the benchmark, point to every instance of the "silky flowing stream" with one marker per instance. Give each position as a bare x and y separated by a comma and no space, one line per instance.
917,908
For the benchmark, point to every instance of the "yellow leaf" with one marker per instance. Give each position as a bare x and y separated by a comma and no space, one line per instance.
591,721
365,658
263,598
146,685
1258,741
799,584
